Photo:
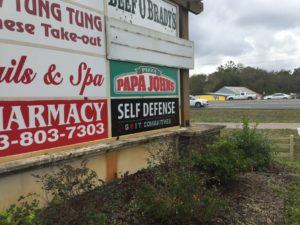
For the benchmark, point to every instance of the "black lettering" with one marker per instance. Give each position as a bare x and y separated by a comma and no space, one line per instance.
156,19
120,4
127,6
142,5
112,3
165,17
133,6
161,16
174,21
150,10
170,18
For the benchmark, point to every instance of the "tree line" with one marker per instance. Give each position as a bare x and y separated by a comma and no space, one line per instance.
259,80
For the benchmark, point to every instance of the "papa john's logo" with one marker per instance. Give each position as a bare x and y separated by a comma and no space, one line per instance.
144,79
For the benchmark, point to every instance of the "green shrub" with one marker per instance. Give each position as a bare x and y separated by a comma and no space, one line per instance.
24,213
240,151
222,160
178,196
254,146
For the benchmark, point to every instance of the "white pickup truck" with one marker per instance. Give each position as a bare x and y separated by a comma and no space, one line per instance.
242,96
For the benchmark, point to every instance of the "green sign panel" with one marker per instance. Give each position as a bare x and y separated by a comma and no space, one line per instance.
133,79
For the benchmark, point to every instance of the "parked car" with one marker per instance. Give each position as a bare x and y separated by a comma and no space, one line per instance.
278,96
197,102
242,96
295,95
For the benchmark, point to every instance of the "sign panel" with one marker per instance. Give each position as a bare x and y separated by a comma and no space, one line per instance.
95,5
132,79
158,15
27,126
127,42
52,49
136,115
54,23
34,72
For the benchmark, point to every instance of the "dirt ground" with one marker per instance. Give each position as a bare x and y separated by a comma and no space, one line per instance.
255,198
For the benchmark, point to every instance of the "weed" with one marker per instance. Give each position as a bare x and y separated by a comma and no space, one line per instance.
24,213
69,182
176,194
292,205
69,188
292,216
177,197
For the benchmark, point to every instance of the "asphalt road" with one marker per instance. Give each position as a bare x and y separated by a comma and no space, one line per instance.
257,104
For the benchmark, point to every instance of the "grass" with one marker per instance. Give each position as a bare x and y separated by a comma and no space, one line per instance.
271,133
254,115
294,164
292,207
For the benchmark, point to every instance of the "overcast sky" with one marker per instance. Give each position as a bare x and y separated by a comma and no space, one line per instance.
257,33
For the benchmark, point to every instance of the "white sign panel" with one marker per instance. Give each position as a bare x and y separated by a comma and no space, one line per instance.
54,23
126,42
34,72
95,5
154,14
52,49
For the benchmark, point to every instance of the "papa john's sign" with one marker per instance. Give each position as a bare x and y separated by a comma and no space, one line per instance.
131,79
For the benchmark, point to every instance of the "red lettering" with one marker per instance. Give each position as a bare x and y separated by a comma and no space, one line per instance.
31,9
142,84
62,34
155,84
120,84
158,83
134,82
98,80
172,86
19,27
85,78
83,19
162,86
14,73
40,8
126,84
52,77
